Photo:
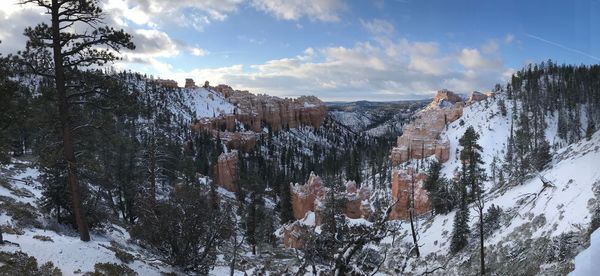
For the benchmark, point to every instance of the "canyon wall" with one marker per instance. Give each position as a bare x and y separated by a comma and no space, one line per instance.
258,111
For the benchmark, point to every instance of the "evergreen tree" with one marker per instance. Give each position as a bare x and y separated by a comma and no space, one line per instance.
502,106
591,128
71,51
285,204
460,231
470,155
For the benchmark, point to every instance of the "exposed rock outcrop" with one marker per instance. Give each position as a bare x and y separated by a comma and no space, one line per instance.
421,138
445,97
477,96
403,184
254,113
258,111
310,196
226,170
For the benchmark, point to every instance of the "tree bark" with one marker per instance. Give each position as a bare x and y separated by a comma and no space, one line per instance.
63,111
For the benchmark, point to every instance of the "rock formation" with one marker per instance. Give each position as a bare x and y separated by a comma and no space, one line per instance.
167,83
403,183
226,170
304,196
308,205
258,111
255,113
310,196
477,96
421,138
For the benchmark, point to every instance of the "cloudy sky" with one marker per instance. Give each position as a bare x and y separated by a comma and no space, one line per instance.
341,49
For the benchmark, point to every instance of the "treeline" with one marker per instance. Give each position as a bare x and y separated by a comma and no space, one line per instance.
565,94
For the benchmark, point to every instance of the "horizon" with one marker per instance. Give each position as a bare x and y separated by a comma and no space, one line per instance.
337,50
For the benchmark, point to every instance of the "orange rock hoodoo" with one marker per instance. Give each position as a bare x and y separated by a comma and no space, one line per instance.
227,171
310,196
308,203
403,183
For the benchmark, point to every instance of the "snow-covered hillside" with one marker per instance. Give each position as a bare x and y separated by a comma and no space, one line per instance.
26,230
542,226
207,103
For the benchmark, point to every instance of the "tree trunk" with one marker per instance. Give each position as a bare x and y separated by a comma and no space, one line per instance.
411,215
1,239
482,253
63,111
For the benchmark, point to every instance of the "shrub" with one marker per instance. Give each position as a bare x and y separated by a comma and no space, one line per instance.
123,256
43,238
19,263
111,269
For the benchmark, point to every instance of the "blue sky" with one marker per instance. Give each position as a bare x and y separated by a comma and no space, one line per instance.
342,50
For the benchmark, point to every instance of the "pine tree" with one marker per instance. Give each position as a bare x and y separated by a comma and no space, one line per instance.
470,156
460,231
285,204
591,128
502,106
71,51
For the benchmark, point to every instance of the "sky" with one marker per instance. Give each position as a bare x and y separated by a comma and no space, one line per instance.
340,50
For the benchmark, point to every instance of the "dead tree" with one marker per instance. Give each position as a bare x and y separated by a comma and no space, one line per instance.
57,51
356,241
411,214
479,206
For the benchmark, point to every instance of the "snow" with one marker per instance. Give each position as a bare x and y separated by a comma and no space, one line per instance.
207,103
586,262
66,252
493,130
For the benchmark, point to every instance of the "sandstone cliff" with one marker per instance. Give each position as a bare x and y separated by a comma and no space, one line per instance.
255,113
258,111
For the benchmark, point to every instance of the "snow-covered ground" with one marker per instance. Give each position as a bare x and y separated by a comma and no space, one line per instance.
64,249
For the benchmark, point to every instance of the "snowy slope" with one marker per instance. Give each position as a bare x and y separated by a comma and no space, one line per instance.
533,216
207,103
65,249
493,130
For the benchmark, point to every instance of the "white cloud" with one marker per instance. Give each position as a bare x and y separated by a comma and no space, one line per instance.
315,10
199,52
378,26
382,70
152,13
472,59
